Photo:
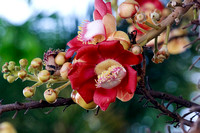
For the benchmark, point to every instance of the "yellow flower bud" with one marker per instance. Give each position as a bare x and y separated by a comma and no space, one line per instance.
128,9
50,95
10,79
36,63
11,67
23,62
29,92
5,75
79,100
65,69
44,76
6,127
22,74
60,58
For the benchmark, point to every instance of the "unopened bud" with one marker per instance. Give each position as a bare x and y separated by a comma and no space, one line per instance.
28,92
128,9
11,63
23,62
66,67
50,95
11,67
5,75
22,74
17,68
6,127
60,58
136,49
141,18
36,63
5,65
44,76
10,79
80,101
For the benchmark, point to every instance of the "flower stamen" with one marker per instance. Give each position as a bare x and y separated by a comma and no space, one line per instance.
111,78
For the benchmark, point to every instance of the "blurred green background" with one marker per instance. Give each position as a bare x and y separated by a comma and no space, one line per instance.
29,40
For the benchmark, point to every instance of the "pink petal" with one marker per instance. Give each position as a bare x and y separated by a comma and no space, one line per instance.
89,54
129,58
109,8
123,95
129,83
110,24
103,97
97,15
80,73
87,89
91,29
70,52
110,49
101,7
74,42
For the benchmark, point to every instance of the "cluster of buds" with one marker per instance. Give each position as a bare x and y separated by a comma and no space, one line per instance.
161,55
10,71
55,71
130,9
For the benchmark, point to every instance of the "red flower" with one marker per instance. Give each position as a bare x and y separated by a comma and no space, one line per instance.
96,31
102,72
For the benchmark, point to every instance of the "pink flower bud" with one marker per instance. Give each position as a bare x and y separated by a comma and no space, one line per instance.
128,9
79,100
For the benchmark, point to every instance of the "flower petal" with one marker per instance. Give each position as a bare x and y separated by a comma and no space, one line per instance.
123,95
129,58
106,47
74,42
110,24
70,52
80,73
91,29
109,8
87,90
103,97
101,7
74,45
89,54
129,83
97,15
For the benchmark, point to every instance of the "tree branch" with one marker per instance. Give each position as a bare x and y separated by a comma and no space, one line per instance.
35,104
177,13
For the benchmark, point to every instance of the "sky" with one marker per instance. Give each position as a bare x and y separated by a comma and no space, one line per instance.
17,12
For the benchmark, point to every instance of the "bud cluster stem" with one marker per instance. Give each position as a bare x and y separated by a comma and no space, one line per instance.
57,90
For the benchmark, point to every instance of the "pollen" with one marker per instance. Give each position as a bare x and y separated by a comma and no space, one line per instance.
111,78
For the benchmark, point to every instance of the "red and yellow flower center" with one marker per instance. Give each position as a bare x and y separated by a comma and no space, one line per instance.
111,75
